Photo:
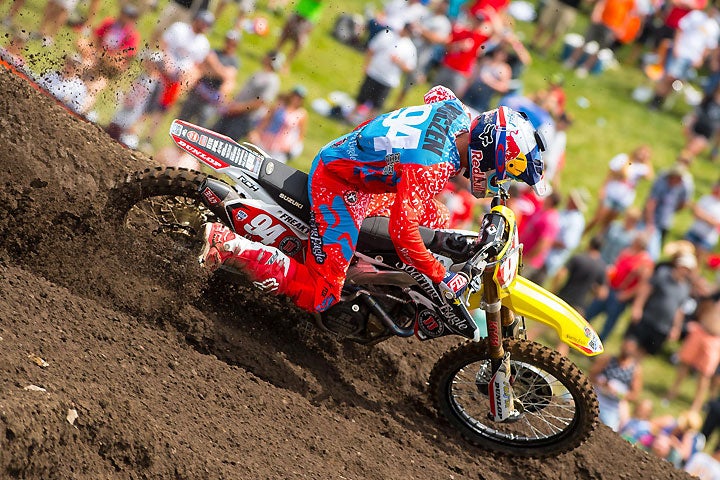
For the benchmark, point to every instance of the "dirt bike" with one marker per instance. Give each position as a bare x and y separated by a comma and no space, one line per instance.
501,391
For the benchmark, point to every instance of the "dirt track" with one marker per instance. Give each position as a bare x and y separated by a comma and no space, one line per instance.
171,376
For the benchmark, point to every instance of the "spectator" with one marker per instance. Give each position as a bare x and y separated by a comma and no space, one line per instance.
176,11
700,350
491,77
245,8
607,20
107,53
696,36
298,26
428,34
282,131
670,193
705,230
657,310
395,15
184,49
556,18
638,428
389,55
631,269
618,191
618,380
662,446
683,433
463,49
712,420
220,69
620,234
572,223
15,7
583,274
249,106
55,15
66,85
537,236
704,466
703,125
554,155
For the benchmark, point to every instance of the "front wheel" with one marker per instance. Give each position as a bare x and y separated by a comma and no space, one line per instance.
558,406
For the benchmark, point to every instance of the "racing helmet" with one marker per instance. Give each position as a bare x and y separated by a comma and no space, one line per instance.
504,145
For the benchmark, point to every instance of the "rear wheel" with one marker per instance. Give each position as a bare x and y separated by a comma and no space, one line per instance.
558,406
162,201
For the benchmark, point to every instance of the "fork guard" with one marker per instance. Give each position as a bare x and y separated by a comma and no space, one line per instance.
534,302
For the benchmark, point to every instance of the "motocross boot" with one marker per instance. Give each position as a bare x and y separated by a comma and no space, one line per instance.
213,254
267,267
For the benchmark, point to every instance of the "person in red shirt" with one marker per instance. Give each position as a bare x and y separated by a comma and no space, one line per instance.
108,52
463,49
632,268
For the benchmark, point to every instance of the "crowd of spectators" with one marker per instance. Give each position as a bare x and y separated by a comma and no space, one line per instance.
618,263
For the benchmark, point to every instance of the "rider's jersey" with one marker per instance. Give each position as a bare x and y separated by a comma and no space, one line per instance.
412,152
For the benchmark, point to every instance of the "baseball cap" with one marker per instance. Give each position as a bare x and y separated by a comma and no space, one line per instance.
130,10
686,260
233,35
205,16
299,90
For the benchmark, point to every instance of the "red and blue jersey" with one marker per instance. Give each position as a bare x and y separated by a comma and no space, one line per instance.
411,152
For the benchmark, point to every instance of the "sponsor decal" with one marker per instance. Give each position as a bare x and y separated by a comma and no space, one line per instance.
295,223
241,215
494,333
251,185
390,161
203,140
193,136
326,303
429,324
211,197
316,242
457,283
290,246
268,285
269,168
291,201
477,176
486,137
351,197
199,154
445,309
436,133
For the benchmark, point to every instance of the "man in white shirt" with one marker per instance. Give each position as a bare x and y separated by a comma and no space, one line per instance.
696,36
389,54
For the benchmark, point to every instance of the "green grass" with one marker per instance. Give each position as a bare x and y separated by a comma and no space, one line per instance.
612,123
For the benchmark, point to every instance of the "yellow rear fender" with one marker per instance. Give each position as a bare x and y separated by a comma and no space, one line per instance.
535,303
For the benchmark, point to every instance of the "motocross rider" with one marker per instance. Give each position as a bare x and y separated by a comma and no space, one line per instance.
410,152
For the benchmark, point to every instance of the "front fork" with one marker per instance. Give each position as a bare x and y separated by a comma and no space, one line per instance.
500,391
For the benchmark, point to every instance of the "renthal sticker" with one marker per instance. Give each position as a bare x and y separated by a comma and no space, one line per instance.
351,197
290,246
193,136
211,197
429,324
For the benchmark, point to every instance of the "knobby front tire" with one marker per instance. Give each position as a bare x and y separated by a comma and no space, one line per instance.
559,405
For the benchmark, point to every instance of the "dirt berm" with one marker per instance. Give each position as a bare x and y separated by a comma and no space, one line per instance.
172,375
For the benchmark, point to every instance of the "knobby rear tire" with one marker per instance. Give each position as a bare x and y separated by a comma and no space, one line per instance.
456,391
153,182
